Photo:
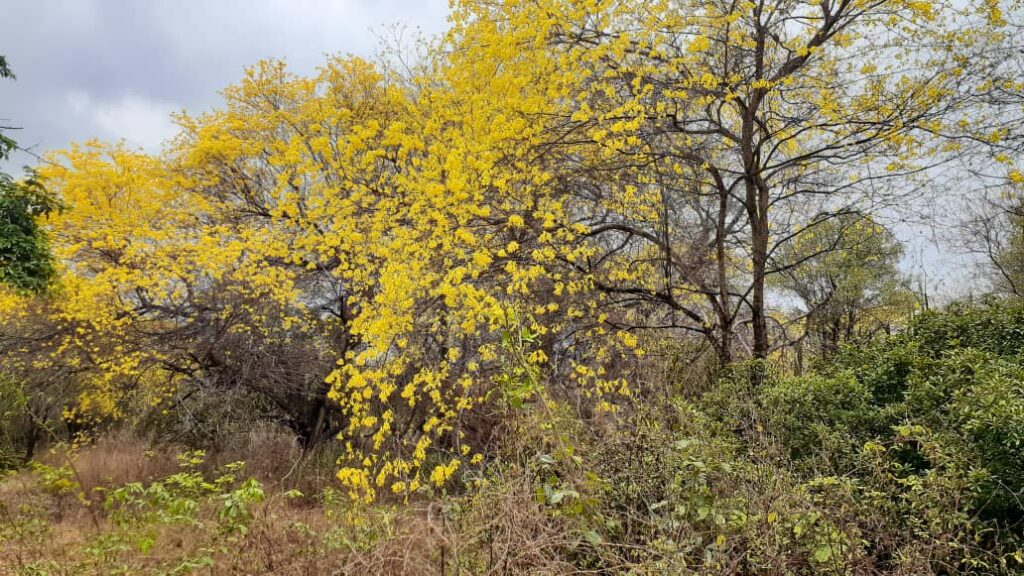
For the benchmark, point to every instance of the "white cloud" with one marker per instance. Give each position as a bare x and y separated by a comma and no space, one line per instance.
138,120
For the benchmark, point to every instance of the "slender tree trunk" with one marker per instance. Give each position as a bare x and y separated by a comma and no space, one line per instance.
757,307
315,433
725,305
756,199
757,210
799,369
724,344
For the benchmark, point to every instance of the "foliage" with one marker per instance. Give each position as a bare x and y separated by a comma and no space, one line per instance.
138,518
993,327
25,261
902,457
819,418
843,269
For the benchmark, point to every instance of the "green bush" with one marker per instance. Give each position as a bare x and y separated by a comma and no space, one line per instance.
995,327
819,417
904,455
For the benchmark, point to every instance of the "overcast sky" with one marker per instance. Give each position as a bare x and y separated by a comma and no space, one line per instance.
113,69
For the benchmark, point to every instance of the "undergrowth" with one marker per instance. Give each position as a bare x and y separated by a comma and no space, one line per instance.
901,457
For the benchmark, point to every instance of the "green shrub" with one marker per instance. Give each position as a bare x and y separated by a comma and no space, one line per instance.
819,417
995,327
903,455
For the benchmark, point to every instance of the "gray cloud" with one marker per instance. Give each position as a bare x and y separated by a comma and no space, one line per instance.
113,69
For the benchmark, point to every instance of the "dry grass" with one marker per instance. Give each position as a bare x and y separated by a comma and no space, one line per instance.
499,530
288,537
115,460
271,455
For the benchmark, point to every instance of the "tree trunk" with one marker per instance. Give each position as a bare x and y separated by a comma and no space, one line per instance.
725,319
759,241
756,200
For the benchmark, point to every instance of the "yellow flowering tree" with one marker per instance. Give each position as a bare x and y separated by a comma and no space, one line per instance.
379,257
696,139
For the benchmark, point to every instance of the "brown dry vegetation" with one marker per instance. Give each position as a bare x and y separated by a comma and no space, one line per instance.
302,525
